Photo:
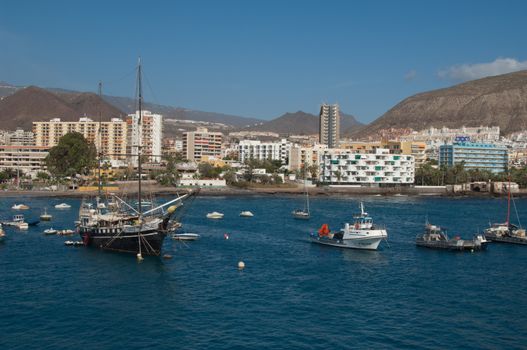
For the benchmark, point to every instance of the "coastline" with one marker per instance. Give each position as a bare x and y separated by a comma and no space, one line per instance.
258,191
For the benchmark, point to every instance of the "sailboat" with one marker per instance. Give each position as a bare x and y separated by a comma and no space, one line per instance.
303,214
125,227
507,232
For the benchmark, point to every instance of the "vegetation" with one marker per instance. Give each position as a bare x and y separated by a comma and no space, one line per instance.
73,155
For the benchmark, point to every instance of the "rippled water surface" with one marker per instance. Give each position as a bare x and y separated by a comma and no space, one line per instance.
292,293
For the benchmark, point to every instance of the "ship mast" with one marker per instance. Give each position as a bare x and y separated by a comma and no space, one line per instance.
509,201
139,133
99,180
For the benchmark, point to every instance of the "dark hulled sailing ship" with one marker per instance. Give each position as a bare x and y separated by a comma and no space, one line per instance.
119,226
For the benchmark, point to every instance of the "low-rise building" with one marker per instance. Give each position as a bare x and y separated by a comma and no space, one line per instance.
256,149
483,156
379,167
18,137
301,157
28,159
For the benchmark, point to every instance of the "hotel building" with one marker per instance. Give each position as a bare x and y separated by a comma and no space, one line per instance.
149,136
256,149
110,140
28,159
379,167
474,156
329,125
201,144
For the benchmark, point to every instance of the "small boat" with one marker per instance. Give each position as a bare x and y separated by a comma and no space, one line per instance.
185,236
363,234
2,234
45,216
303,214
74,243
62,206
436,238
18,222
19,207
50,231
65,232
246,214
214,215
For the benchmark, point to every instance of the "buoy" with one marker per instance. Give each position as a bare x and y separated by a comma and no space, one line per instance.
139,257
167,256
241,265
226,235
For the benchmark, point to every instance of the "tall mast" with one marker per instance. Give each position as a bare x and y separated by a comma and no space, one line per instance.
509,201
139,132
99,180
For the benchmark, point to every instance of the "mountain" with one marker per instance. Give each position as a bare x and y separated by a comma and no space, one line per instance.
32,103
303,123
7,89
494,101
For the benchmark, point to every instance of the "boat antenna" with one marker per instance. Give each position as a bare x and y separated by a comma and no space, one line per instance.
139,131
99,154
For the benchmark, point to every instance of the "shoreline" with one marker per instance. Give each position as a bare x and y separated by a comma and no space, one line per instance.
231,191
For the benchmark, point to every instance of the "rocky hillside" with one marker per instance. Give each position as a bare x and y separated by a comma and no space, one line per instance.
304,123
494,101
31,104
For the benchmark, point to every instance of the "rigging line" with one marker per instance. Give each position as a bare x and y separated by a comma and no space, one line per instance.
145,76
516,210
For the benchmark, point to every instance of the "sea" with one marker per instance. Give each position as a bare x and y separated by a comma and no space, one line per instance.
292,294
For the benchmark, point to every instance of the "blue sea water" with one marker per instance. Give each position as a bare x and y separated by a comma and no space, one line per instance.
292,294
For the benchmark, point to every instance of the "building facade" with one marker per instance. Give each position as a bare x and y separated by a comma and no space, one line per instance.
148,136
256,149
380,167
110,139
329,125
301,157
201,144
481,156
27,159
18,137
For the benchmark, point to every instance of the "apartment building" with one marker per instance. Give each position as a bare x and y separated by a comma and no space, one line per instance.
201,144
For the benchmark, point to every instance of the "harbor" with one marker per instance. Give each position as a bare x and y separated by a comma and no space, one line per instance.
45,278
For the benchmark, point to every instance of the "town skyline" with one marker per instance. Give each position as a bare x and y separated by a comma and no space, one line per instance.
263,59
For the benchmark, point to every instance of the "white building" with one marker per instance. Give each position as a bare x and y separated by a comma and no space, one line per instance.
344,166
28,159
17,138
256,149
149,136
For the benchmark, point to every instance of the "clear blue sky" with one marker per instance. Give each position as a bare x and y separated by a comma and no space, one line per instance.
262,58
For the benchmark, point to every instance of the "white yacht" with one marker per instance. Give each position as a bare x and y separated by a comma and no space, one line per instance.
62,206
246,214
19,207
362,234
50,231
214,215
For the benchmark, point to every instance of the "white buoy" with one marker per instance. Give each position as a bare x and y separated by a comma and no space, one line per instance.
241,265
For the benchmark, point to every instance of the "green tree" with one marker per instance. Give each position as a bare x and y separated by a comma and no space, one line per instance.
73,155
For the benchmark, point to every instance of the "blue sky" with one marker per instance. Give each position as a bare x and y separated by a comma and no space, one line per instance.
262,58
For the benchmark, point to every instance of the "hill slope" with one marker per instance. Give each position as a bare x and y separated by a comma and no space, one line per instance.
303,123
30,104
494,101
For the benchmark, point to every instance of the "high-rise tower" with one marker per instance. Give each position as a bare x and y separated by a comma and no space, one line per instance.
329,125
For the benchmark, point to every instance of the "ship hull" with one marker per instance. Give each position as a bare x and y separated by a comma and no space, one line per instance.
148,242
366,243
506,239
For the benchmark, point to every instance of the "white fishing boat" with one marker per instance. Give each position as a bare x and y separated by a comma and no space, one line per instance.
62,206
45,216
362,234
215,215
19,207
18,222
246,214
185,236
50,231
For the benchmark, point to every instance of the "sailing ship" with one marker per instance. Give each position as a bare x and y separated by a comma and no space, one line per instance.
303,214
507,232
122,227
362,234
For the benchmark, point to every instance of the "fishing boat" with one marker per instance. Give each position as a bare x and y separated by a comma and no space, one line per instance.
362,234
125,227
50,231
19,207
215,215
246,214
62,206
436,238
303,214
185,236
45,216
507,232
18,222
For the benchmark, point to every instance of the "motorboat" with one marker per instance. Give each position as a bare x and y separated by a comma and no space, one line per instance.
50,231
45,216
74,243
185,236
17,221
215,215
246,214
19,207
62,206
435,237
66,232
362,234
